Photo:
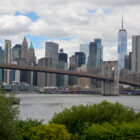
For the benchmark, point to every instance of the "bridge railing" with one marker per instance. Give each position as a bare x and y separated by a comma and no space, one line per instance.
134,79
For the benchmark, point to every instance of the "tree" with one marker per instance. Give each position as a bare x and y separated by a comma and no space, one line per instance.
76,117
8,118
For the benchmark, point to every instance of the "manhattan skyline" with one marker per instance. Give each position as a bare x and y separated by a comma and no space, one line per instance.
68,23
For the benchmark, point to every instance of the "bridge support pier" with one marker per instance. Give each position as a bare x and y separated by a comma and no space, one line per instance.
110,69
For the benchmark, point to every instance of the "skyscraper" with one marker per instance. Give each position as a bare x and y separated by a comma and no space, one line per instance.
62,80
95,59
63,56
135,64
24,50
92,55
81,58
51,50
99,56
31,52
51,61
8,51
7,60
46,79
32,62
73,60
27,57
16,56
16,52
73,67
85,48
122,46
2,55
2,60
95,54
127,61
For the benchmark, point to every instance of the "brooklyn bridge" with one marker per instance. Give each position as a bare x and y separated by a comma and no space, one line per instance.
110,84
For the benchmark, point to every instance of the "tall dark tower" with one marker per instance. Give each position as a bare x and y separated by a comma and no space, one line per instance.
62,56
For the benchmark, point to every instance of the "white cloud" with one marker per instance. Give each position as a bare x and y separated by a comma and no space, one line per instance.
71,18
12,25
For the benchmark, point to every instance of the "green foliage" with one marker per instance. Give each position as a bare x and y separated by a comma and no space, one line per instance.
75,118
8,118
115,131
28,122
104,121
1,88
45,132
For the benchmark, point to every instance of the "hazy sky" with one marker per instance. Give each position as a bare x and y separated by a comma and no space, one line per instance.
69,23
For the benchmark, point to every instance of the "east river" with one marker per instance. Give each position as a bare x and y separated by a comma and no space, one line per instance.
43,106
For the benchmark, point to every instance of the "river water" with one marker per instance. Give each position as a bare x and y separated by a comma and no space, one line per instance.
43,106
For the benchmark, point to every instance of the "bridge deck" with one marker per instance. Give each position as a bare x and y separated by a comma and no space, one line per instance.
55,71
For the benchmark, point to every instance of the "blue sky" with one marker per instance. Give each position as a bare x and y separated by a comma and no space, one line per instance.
92,10
32,15
36,40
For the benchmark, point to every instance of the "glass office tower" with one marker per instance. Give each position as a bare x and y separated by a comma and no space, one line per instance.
99,52
85,48
122,46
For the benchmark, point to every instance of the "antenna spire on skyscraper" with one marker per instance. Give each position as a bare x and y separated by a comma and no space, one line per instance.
122,22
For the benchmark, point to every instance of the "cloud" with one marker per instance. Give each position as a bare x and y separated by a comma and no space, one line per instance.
41,28
11,25
70,22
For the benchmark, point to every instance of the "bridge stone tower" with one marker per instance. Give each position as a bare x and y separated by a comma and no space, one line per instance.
110,69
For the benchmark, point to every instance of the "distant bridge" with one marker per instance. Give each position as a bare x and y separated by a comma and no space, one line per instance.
56,71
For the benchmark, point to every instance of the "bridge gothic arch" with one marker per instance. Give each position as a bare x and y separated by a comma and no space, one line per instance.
110,70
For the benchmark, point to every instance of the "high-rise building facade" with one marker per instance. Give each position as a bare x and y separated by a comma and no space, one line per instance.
16,55
81,58
2,60
7,77
63,56
85,48
81,81
95,59
127,61
95,54
16,52
46,79
99,56
51,53
51,50
2,55
130,60
24,49
62,80
73,64
32,57
73,60
8,51
122,46
32,62
135,64
92,55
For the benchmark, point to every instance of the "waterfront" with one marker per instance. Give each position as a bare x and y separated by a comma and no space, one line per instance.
43,106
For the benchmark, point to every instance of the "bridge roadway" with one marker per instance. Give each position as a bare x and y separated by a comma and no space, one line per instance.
56,71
